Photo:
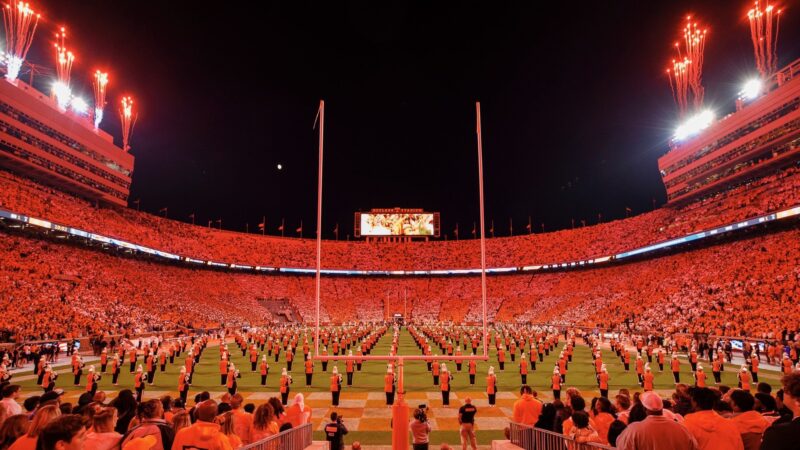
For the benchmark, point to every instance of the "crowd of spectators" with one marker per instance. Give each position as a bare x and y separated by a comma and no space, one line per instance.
97,422
770,193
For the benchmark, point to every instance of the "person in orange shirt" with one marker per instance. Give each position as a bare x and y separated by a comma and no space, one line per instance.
699,377
501,357
445,385
660,359
150,361
715,370
711,430
309,370
204,433
388,386
555,384
132,358
602,380
491,386
744,379
253,358
286,380
299,413
523,369
183,384
349,368
336,386
527,408
435,369
675,365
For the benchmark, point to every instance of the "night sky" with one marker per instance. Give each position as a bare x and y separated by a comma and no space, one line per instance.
575,103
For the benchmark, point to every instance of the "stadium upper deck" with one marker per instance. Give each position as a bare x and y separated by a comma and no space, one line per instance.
59,148
761,136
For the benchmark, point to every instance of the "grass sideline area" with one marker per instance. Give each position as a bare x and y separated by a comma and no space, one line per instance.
363,404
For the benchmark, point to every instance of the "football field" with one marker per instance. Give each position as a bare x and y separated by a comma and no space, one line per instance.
363,404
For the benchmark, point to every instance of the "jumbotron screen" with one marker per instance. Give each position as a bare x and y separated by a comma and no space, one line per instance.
397,223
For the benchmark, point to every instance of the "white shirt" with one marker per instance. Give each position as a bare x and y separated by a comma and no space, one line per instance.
11,406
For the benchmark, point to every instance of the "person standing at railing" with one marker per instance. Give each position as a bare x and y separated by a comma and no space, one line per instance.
528,408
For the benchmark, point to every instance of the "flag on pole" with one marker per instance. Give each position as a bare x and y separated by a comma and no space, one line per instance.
263,225
455,232
336,231
300,228
474,230
529,227
491,230
510,226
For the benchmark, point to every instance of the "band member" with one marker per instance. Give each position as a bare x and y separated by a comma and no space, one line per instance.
349,368
473,370
754,366
715,370
103,360
435,370
115,369
233,374
91,381
253,357
602,380
491,386
523,369
501,357
324,361
445,385
675,365
286,380
555,384
309,369
640,369
699,377
388,386
162,359
139,381
49,379
150,362
289,359
183,384
40,370
336,386
77,368
647,378
744,379
132,358
264,370
661,358
223,370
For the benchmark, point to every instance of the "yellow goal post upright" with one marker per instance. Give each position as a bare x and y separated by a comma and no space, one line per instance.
400,419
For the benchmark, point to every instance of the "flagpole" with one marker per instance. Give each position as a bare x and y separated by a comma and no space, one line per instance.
321,113
483,234
264,228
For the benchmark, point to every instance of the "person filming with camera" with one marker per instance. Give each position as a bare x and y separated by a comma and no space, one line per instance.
420,428
335,431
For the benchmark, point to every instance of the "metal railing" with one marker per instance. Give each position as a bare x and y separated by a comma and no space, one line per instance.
296,438
531,438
